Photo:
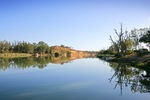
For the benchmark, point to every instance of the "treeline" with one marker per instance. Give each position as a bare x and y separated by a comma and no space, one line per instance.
128,42
24,47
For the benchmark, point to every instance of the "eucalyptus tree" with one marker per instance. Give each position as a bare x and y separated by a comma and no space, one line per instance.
41,47
146,38
1,47
4,46
135,38
123,42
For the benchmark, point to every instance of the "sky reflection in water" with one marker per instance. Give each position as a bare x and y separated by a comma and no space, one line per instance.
81,79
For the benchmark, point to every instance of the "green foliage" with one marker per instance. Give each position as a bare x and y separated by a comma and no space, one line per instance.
4,46
122,43
126,41
129,52
146,37
135,38
24,47
112,49
142,52
141,64
42,47
129,43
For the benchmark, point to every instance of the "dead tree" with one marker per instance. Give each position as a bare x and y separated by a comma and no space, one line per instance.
119,44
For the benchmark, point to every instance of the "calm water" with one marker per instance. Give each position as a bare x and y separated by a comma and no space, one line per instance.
81,79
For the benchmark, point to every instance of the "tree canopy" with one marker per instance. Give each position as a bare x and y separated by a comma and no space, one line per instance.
23,47
145,38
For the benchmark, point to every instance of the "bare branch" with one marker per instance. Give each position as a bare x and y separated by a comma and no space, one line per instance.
116,32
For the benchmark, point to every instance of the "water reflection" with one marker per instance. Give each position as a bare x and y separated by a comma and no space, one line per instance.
127,76
6,63
124,75
25,62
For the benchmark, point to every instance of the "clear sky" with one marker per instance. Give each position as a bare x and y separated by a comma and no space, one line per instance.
82,24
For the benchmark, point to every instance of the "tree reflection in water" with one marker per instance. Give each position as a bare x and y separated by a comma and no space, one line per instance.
25,62
128,76
124,74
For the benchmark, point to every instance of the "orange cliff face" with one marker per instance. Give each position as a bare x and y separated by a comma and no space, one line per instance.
62,55
70,53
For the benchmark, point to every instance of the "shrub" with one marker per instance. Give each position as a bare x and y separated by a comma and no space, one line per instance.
142,52
129,52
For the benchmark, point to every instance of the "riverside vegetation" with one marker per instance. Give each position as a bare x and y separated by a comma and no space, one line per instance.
128,47
26,49
38,71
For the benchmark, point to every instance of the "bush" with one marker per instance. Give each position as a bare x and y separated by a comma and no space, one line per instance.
129,52
141,52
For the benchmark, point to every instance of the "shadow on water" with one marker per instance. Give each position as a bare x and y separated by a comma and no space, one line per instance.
125,75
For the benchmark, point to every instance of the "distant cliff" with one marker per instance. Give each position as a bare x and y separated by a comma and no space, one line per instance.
55,52
70,53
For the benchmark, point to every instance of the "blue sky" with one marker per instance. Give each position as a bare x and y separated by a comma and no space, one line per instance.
82,24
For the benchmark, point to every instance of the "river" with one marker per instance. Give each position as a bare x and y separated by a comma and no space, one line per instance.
80,79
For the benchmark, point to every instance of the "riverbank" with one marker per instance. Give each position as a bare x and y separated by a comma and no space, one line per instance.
15,55
134,59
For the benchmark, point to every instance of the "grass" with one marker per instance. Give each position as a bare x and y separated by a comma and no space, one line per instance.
15,55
